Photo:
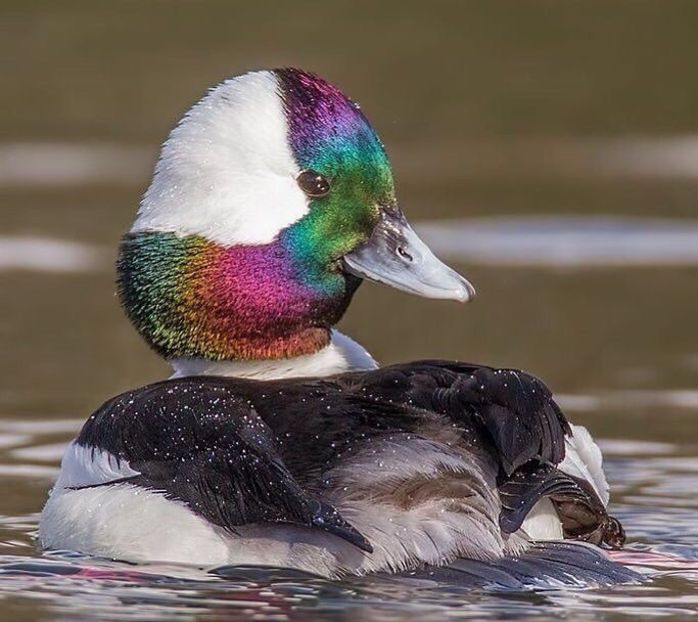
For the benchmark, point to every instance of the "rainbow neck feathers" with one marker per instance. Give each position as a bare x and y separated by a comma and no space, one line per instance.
191,298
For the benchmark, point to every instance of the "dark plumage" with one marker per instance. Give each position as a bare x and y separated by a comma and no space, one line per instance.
241,451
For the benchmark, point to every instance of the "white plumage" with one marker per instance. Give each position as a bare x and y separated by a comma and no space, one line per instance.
226,172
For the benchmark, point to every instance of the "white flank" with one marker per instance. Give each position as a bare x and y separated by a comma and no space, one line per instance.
122,521
227,172
128,523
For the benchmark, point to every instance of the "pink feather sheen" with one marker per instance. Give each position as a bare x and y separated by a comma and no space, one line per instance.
248,301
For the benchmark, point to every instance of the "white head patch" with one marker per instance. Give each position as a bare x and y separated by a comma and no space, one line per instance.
227,172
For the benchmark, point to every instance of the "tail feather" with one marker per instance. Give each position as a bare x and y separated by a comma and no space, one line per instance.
544,565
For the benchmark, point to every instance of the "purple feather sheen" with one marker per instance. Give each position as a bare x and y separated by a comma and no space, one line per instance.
327,129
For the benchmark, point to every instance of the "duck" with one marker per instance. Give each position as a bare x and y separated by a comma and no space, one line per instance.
279,441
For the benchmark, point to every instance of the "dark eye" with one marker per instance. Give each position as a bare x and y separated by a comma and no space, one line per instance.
313,184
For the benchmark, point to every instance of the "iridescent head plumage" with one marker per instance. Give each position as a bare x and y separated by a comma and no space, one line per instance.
270,199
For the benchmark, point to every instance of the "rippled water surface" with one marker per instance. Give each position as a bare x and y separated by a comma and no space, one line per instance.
550,150
653,482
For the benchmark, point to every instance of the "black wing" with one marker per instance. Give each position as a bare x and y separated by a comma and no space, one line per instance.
200,443
513,410
514,415
504,413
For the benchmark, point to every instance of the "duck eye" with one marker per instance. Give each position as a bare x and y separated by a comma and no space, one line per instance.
313,184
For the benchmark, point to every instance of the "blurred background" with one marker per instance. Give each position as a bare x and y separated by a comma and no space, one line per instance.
548,149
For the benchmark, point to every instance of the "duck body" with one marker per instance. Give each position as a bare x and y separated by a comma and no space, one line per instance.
279,441
386,470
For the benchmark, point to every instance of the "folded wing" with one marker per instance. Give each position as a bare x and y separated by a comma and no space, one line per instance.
201,444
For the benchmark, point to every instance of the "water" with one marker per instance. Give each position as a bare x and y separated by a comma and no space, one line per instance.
548,149
653,484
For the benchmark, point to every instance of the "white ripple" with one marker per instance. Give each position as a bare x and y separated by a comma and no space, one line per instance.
28,470
620,447
12,440
68,164
660,157
52,452
41,426
680,399
42,254
565,241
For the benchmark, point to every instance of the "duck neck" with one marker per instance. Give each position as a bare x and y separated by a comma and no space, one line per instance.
192,299
340,355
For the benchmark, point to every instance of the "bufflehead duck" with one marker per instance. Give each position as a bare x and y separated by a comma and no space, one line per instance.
279,441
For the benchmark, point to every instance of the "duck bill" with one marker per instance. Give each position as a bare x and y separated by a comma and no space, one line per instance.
395,255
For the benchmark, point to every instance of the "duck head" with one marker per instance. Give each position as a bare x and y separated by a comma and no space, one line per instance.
271,200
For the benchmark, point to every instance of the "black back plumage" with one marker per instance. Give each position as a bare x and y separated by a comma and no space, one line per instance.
241,451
